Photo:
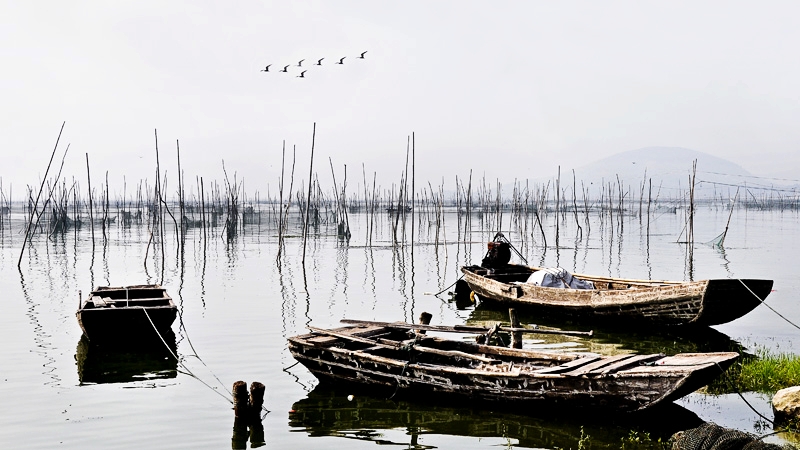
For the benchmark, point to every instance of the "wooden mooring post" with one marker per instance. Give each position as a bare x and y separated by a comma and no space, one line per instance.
424,319
247,414
516,336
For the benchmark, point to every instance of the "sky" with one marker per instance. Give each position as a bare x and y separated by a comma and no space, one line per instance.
509,90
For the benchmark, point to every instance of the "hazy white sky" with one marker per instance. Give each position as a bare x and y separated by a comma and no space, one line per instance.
509,89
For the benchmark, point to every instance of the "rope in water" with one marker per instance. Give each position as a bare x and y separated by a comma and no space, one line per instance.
189,372
189,340
742,397
770,307
763,302
448,287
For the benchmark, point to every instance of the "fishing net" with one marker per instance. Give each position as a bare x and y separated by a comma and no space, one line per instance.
711,436
717,241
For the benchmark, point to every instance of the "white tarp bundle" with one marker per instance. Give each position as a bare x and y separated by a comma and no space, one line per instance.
557,277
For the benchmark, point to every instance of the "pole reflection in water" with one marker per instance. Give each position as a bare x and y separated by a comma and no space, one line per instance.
330,412
125,363
241,434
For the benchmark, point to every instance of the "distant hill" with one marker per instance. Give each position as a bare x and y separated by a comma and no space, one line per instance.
668,167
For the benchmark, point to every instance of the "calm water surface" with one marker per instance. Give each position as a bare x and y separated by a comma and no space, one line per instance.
238,305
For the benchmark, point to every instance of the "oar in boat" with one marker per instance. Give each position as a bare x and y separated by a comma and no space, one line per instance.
462,328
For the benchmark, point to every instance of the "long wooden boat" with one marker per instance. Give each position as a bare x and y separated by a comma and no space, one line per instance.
704,302
382,356
125,313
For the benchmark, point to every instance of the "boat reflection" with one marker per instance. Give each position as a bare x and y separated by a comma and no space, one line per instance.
125,363
610,341
328,412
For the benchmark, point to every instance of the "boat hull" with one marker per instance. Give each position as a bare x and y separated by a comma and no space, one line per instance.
623,383
126,323
129,313
705,302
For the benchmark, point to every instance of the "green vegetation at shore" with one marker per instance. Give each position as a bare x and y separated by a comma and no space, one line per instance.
765,372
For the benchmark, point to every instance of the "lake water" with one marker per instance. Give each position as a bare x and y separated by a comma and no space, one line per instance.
238,304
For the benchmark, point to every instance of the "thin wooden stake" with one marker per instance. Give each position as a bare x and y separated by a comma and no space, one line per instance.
308,197
41,188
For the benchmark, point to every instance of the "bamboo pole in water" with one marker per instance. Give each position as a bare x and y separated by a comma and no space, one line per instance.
52,190
203,211
91,213
575,203
30,220
289,197
105,211
308,198
180,188
157,195
413,198
280,200
374,206
366,204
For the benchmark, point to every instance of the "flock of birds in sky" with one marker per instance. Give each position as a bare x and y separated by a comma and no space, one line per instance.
300,64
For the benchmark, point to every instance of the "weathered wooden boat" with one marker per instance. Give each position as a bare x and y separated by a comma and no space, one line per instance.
704,302
383,356
126,313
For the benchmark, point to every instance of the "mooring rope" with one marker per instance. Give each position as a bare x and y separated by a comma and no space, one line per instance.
409,347
736,389
397,387
770,307
189,340
448,287
189,372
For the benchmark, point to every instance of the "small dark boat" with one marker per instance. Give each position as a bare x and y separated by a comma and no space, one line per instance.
394,209
127,313
385,356
628,301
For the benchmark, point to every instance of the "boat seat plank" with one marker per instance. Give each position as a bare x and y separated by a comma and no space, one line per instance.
603,362
371,332
626,363
100,302
571,365
153,299
693,359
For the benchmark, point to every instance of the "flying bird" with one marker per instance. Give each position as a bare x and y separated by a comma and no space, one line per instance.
285,69
300,64
302,74
362,55
341,61
266,69
319,63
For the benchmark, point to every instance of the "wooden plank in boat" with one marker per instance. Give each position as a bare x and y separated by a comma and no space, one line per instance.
322,340
569,365
684,359
625,363
682,363
598,364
